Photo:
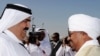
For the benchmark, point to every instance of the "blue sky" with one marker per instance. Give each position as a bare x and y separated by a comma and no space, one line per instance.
55,13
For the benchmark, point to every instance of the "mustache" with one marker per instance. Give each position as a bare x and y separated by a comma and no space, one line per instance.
26,28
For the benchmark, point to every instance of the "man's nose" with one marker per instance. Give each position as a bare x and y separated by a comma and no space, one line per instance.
28,24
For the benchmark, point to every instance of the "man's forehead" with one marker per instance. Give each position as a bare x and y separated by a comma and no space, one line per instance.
75,31
28,19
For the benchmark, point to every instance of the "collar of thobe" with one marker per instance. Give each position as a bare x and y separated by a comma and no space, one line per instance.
90,42
67,48
12,36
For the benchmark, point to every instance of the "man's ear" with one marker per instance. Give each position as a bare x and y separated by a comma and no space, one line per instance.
82,35
86,37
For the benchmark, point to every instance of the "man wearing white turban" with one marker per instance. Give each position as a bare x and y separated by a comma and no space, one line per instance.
14,22
83,33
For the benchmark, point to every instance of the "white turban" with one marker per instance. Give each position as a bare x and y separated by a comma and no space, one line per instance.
88,24
12,15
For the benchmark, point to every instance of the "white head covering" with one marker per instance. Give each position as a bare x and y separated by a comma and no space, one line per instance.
88,24
12,16
45,43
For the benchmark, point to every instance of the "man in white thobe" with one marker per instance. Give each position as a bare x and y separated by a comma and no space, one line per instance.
13,25
83,33
65,51
36,50
44,49
45,43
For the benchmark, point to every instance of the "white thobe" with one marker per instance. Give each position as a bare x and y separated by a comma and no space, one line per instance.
89,48
46,47
9,45
35,50
45,43
65,51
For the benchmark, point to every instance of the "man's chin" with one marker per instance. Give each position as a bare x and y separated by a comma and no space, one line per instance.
73,49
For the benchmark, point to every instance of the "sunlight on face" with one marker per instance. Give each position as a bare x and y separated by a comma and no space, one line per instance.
75,40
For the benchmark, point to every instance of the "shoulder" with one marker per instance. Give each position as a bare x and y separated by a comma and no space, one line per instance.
95,50
4,43
89,51
3,39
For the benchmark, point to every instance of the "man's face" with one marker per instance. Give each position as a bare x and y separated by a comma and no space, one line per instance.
55,38
42,34
75,40
25,24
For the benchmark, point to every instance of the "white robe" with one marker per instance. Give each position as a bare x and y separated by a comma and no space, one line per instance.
35,50
45,43
9,45
90,48
65,51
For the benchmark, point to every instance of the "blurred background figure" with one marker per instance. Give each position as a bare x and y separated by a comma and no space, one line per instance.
98,38
60,47
65,49
54,39
39,44
45,43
